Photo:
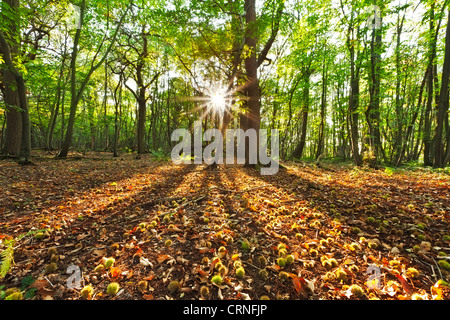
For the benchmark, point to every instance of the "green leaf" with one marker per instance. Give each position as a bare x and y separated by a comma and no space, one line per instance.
7,256
26,282
30,293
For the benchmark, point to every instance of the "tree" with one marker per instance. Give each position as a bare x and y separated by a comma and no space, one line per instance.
135,55
18,136
439,160
76,93
352,43
373,110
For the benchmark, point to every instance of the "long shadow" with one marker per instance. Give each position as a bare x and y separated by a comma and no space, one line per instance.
99,226
358,202
51,184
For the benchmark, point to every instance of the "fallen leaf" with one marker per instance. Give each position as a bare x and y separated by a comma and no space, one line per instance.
145,262
163,257
405,284
150,277
115,272
99,252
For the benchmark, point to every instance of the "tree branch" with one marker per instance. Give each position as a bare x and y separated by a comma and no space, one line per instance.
276,26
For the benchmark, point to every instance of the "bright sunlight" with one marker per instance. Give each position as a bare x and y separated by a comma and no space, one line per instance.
218,101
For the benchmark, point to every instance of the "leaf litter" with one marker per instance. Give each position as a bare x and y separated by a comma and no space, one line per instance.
224,232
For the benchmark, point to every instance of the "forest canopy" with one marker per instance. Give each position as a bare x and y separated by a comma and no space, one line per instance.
365,81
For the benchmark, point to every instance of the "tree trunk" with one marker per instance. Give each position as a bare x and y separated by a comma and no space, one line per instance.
399,148
443,103
298,151
251,118
352,115
409,130
432,70
373,110
73,88
76,94
13,131
323,107
427,161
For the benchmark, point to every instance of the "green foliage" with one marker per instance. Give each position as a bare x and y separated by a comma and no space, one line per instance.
7,257
160,155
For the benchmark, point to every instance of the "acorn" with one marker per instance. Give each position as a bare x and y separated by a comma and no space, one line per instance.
353,268
412,272
341,275
333,262
205,261
313,253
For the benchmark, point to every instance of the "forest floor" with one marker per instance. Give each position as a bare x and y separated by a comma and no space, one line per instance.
353,233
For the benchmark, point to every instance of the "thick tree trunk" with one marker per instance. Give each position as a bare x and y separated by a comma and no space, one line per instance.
298,151
13,131
373,110
251,118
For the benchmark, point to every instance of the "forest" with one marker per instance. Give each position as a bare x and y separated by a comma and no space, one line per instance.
92,205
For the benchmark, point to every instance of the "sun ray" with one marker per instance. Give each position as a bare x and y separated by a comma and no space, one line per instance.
215,100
